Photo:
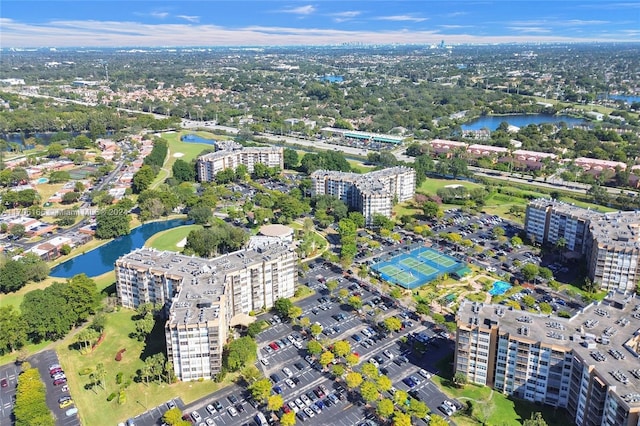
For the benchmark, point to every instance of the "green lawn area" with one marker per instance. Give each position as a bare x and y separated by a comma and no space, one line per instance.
490,407
169,239
93,406
188,149
431,186
359,167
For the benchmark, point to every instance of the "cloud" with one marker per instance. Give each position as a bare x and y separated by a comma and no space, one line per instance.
194,19
400,18
453,27
159,15
345,16
87,33
531,30
301,10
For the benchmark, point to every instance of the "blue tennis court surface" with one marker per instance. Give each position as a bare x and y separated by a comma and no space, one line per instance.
416,267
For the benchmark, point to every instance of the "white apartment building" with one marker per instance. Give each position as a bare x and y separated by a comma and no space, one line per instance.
371,193
230,155
610,242
201,296
587,364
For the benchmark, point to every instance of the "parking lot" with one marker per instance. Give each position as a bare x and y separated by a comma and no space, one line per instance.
308,378
9,373
42,361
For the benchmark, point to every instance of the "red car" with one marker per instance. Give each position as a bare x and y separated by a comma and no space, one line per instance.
286,408
274,346
59,382
55,371
4,383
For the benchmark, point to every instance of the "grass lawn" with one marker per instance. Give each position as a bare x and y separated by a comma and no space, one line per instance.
359,166
93,406
168,240
190,150
431,186
490,407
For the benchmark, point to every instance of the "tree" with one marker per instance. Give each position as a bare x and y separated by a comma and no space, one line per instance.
14,329
13,276
314,347
530,271
418,408
30,407
283,306
173,417
438,421
341,348
393,324
183,171
112,222
355,302
54,150
400,397
331,285
460,379
351,360
369,392
288,419
536,419
385,408
369,370
255,328
315,330
295,312
260,390
326,358
353,380
384,383
343,293
239,353
275,402
142,179
17,230
431,209
70,197
337,370
59,176
200,214
291,158
401,419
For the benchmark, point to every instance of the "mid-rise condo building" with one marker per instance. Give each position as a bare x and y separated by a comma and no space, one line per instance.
231,154
587,364
371,193
609,242
201,296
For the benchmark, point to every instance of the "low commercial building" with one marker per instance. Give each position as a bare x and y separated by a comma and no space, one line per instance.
230,155
200,296
587,364
610,242
371,193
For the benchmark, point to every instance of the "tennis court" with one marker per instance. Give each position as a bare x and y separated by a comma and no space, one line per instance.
416,267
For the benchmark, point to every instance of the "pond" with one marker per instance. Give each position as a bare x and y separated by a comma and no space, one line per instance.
492,122
627,98
197,139
100,260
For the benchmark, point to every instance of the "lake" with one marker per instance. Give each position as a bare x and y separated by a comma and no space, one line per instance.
100,260
627,98
492,122
197,139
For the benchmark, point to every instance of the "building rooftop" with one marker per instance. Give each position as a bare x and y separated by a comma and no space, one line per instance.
202,281
606,334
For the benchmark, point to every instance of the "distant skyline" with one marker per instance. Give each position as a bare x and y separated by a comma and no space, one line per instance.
121,23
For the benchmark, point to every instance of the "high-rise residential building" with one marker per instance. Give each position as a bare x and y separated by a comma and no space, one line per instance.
371,193
587,364
201,296
609,242
231,154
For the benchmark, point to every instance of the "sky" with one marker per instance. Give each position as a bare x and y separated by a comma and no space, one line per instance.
121,23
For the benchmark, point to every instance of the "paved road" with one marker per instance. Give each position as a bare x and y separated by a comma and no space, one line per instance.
9,372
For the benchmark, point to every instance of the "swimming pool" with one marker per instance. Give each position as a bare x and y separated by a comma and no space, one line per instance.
42,180
499,288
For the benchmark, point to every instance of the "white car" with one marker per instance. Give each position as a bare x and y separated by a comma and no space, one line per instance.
309,412
388,353
305,399
297,344
290,383
450,405
293,407
374,362
232,411
299,403
287,372
424,373
264,361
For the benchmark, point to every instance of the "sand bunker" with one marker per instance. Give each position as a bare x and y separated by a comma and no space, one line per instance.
181,243
178,155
